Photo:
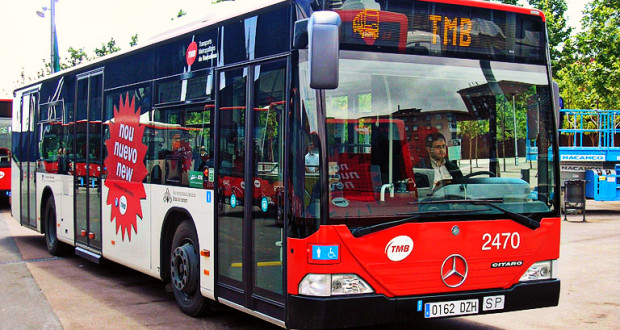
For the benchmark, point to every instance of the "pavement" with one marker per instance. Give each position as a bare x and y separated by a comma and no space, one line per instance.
22,303
38,291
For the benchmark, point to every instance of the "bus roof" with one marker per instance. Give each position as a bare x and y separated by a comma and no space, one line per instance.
226,10
220,12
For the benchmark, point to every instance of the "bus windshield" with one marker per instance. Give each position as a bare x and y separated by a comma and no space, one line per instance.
421,135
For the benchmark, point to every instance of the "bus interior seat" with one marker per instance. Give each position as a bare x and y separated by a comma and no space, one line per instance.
174,169
156,174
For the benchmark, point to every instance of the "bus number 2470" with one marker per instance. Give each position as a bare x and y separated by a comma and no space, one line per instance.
501,241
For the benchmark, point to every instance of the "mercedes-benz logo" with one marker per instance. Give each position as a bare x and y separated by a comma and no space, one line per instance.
454,271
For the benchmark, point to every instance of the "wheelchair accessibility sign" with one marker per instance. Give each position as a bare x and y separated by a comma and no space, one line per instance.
325,252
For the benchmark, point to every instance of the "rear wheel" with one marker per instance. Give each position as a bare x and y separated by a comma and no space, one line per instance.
54,246
185,271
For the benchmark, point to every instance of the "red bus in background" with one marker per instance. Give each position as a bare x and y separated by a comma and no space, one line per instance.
5,149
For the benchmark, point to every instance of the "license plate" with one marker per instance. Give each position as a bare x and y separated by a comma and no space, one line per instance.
492,303
451,308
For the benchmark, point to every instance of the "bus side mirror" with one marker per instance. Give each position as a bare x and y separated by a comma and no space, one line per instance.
323,48
558,104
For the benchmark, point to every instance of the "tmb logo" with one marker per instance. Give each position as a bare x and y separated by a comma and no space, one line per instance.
399,248
191,53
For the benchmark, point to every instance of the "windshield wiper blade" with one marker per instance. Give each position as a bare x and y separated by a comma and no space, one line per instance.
519,218
361,231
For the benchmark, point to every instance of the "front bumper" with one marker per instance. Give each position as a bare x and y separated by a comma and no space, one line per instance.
336,312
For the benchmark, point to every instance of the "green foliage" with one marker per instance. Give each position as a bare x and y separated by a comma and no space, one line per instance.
180,14
557,29
591,78
76,57
507,111
108,48
198,118
471,130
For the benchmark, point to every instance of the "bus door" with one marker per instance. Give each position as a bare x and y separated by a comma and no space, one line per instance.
86,158
28,158
250,177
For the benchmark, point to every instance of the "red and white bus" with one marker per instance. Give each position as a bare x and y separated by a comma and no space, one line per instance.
6,109
274,158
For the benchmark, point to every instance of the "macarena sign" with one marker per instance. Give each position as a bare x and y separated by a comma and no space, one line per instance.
125,167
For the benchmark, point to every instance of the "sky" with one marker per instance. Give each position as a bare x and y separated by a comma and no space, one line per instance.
90,23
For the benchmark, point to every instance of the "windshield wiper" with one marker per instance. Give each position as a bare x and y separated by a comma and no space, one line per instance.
519,218
361,231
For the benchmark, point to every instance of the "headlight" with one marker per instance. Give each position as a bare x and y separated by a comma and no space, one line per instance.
542,270
325,285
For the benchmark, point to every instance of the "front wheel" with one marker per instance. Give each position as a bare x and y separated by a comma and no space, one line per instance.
185,271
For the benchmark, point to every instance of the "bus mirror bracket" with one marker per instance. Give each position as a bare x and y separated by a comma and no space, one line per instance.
300,34
323,48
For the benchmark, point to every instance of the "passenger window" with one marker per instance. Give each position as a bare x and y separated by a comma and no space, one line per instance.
181,146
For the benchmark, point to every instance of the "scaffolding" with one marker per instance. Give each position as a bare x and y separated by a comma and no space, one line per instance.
593,151
604,123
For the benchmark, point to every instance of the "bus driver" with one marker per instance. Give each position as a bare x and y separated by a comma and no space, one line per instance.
438,160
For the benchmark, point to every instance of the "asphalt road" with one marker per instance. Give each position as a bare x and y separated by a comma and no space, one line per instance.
41,292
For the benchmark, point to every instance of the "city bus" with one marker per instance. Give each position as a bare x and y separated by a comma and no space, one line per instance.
274,158
5,149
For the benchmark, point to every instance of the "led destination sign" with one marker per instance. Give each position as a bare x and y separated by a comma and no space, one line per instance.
445,26
445,30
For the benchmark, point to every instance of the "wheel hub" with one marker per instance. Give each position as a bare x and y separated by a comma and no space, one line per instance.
184,268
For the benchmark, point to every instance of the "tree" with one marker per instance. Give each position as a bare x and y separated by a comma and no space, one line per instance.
557,29
108,48
591,79
472,130
76,57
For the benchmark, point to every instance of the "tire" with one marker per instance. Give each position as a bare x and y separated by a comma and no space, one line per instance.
54,246
185,271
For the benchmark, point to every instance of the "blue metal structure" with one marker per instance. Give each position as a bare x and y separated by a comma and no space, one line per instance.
599,160
602,185
607,125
